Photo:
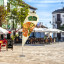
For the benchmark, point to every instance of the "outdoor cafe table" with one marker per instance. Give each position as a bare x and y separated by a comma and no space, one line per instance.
40,40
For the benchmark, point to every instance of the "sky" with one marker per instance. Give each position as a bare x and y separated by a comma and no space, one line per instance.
45,9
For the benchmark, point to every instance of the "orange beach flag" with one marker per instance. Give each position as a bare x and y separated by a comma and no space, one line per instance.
28,26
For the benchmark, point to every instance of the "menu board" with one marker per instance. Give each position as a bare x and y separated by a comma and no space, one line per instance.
9,44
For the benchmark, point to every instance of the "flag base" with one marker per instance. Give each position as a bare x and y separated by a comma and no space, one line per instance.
22,55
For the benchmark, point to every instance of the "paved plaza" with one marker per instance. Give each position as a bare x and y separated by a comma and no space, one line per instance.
34,54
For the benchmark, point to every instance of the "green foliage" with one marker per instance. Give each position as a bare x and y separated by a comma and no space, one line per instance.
19,11
3,13
23,14
62,27
13,37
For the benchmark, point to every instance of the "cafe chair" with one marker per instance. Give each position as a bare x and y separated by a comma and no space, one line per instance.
3,44
0,47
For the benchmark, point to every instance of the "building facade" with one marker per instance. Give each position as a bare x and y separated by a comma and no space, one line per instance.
58,21
38,34
32,11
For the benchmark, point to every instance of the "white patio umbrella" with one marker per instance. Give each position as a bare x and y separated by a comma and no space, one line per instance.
50,30
3,31
36,30
53,30
44,30
62,31
39,29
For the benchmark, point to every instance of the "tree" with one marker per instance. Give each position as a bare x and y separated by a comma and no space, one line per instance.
19,11
62,27
3,14
13,17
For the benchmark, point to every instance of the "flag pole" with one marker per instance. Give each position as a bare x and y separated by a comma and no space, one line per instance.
22,50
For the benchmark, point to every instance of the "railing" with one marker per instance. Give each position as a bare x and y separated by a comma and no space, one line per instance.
58,21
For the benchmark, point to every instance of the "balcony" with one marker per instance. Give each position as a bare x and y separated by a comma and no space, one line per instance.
58,21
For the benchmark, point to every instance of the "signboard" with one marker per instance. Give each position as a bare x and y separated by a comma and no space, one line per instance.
32,18
28,26
10,44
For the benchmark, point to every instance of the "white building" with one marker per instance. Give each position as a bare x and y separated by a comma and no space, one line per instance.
58,21
32,11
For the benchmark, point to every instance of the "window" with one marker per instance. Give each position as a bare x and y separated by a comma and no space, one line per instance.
63,15
62,33
58,17
53,16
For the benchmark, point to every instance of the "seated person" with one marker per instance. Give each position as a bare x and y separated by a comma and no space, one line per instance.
50,39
